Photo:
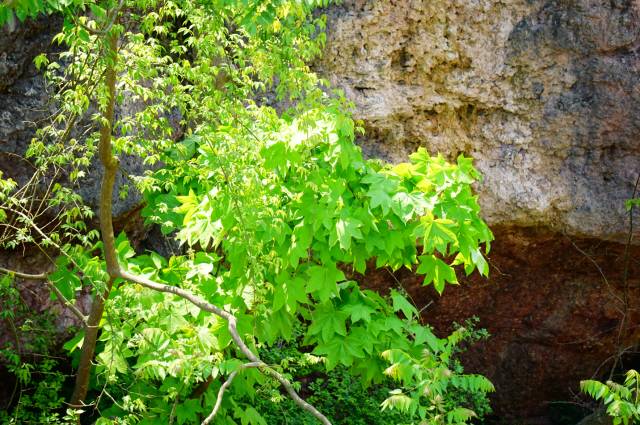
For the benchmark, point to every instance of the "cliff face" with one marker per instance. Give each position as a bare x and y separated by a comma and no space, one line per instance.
23,100
553,306
545,96
25,104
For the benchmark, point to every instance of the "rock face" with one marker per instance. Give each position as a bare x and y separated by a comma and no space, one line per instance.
553,306
23,99
545,95
24,102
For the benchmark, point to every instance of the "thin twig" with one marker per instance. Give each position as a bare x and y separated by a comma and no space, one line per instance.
39,276
625,274
625,284
67,303
44,276
224,387
107,28
598,268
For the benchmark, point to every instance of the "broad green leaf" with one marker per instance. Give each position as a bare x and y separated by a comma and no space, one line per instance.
436,271
359,312
322,283
328,322
347,229
400,303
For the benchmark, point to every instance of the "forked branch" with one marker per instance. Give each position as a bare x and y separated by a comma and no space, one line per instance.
45,277
224,387
232,326
110,164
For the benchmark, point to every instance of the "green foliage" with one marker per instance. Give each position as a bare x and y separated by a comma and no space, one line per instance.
344,398
439,392
630,203
36,396
622,400
275,211
338,393
23,9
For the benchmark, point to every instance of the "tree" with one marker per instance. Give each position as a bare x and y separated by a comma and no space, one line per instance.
274,208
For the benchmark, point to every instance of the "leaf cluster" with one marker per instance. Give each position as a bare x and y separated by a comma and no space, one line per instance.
622,400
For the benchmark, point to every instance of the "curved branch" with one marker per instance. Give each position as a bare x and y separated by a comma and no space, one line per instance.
111,20
39,276
224,387
67,303
44,276
232,325
110,164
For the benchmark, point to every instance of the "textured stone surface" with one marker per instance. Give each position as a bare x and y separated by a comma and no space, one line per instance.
545,95
598,418
554,312
24,101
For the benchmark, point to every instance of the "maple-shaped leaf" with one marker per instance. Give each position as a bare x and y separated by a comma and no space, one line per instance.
438,234
300,242
400,303
379,190
340,350
480,262
436,271
187,412
346,229
289,292
403,205
364,337
358,312
423,334
250,416
328,322
322,281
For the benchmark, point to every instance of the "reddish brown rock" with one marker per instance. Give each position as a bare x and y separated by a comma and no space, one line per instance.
553,305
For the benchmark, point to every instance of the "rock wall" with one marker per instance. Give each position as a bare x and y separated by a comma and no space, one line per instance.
553,306
23,100
24,103
545,96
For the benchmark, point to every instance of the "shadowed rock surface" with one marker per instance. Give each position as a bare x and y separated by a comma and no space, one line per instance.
24,104
553,306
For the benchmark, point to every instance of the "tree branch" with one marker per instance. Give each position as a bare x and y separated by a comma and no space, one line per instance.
111,20
52,287
224,387
68,304
232,326
39,276
110,164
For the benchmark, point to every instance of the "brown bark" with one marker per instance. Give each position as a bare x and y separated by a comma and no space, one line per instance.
110,164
